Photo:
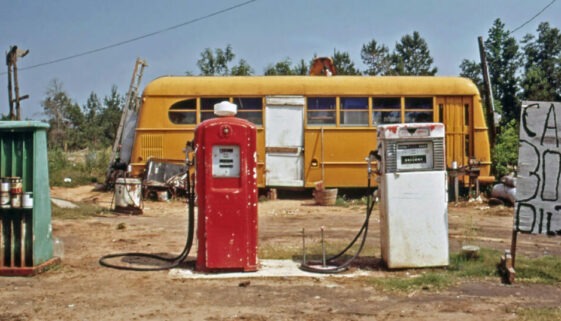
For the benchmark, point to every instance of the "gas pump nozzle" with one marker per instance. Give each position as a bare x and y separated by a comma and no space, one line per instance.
373,155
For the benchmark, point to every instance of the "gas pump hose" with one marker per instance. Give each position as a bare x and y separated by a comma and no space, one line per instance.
310,267
174,261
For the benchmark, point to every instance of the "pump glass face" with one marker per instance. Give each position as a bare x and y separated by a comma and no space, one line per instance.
225,161
414,156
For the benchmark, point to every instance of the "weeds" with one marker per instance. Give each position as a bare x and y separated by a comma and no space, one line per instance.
539,314
83,211
67,169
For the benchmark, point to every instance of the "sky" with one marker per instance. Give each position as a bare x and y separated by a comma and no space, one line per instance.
262,32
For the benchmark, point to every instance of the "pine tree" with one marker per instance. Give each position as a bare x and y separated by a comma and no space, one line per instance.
412,57
376,57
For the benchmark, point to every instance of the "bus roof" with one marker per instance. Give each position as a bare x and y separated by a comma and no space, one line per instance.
309,86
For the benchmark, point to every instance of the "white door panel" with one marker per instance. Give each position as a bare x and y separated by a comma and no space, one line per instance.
284,137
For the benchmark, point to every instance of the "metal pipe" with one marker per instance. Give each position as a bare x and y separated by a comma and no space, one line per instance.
303,246
323,259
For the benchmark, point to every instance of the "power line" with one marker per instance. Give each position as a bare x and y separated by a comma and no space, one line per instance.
124,42
534,17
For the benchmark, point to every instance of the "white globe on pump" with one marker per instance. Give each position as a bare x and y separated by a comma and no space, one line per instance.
225,108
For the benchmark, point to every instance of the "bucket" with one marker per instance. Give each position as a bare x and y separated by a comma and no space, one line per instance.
127,195
27,200
326,196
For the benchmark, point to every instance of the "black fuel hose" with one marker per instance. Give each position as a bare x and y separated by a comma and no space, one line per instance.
312,266
175,261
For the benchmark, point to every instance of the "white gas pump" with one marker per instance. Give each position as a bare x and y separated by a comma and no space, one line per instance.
413,195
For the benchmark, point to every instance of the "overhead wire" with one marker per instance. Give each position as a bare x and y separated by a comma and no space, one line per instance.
124,42
534,17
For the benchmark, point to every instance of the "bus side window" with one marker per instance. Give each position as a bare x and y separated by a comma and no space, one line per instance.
386,110
418,110
321,110
354,111
183,112
250,109
207,107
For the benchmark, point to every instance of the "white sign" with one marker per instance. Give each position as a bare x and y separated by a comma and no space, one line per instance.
538,207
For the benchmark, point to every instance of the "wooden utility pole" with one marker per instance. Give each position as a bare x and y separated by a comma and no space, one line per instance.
489,105
11,61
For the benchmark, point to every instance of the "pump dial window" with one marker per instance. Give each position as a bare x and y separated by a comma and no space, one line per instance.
225,161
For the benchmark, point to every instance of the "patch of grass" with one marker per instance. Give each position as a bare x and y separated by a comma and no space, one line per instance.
276,252
484,266
345,201
432,280
546,269
83,211
539,314
89,168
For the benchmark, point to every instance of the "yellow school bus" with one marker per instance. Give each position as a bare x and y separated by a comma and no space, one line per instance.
310,128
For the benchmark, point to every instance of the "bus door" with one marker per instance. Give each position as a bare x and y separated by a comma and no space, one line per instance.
284,141
455,112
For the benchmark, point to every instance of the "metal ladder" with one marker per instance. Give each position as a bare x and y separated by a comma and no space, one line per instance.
131,105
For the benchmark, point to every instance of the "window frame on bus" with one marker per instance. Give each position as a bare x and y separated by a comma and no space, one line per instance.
322,116
363,110
184,111
391,109
417,107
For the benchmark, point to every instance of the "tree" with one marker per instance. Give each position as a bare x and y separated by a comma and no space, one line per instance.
376,57
542,66
412,57
503,58
283,67
215,63
472,70
61,111
92,126
111,115
343,64
242,69
301,68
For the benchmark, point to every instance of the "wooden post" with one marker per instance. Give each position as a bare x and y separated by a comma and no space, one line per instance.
10,97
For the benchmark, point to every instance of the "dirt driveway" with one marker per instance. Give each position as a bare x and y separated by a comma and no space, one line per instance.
83,290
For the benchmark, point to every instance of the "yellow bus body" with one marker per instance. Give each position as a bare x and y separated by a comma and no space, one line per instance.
333,151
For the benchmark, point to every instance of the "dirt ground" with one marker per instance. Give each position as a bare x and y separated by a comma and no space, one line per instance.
80,289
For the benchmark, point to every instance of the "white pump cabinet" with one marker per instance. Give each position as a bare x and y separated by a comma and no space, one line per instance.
413,195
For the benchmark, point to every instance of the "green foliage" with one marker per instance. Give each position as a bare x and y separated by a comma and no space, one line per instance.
84,170
505,152
376,57
216,63
285,68
472,70
412,57
242,69
343,64
542,67
546,269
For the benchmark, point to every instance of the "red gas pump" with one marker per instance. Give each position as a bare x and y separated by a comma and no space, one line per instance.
226,187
